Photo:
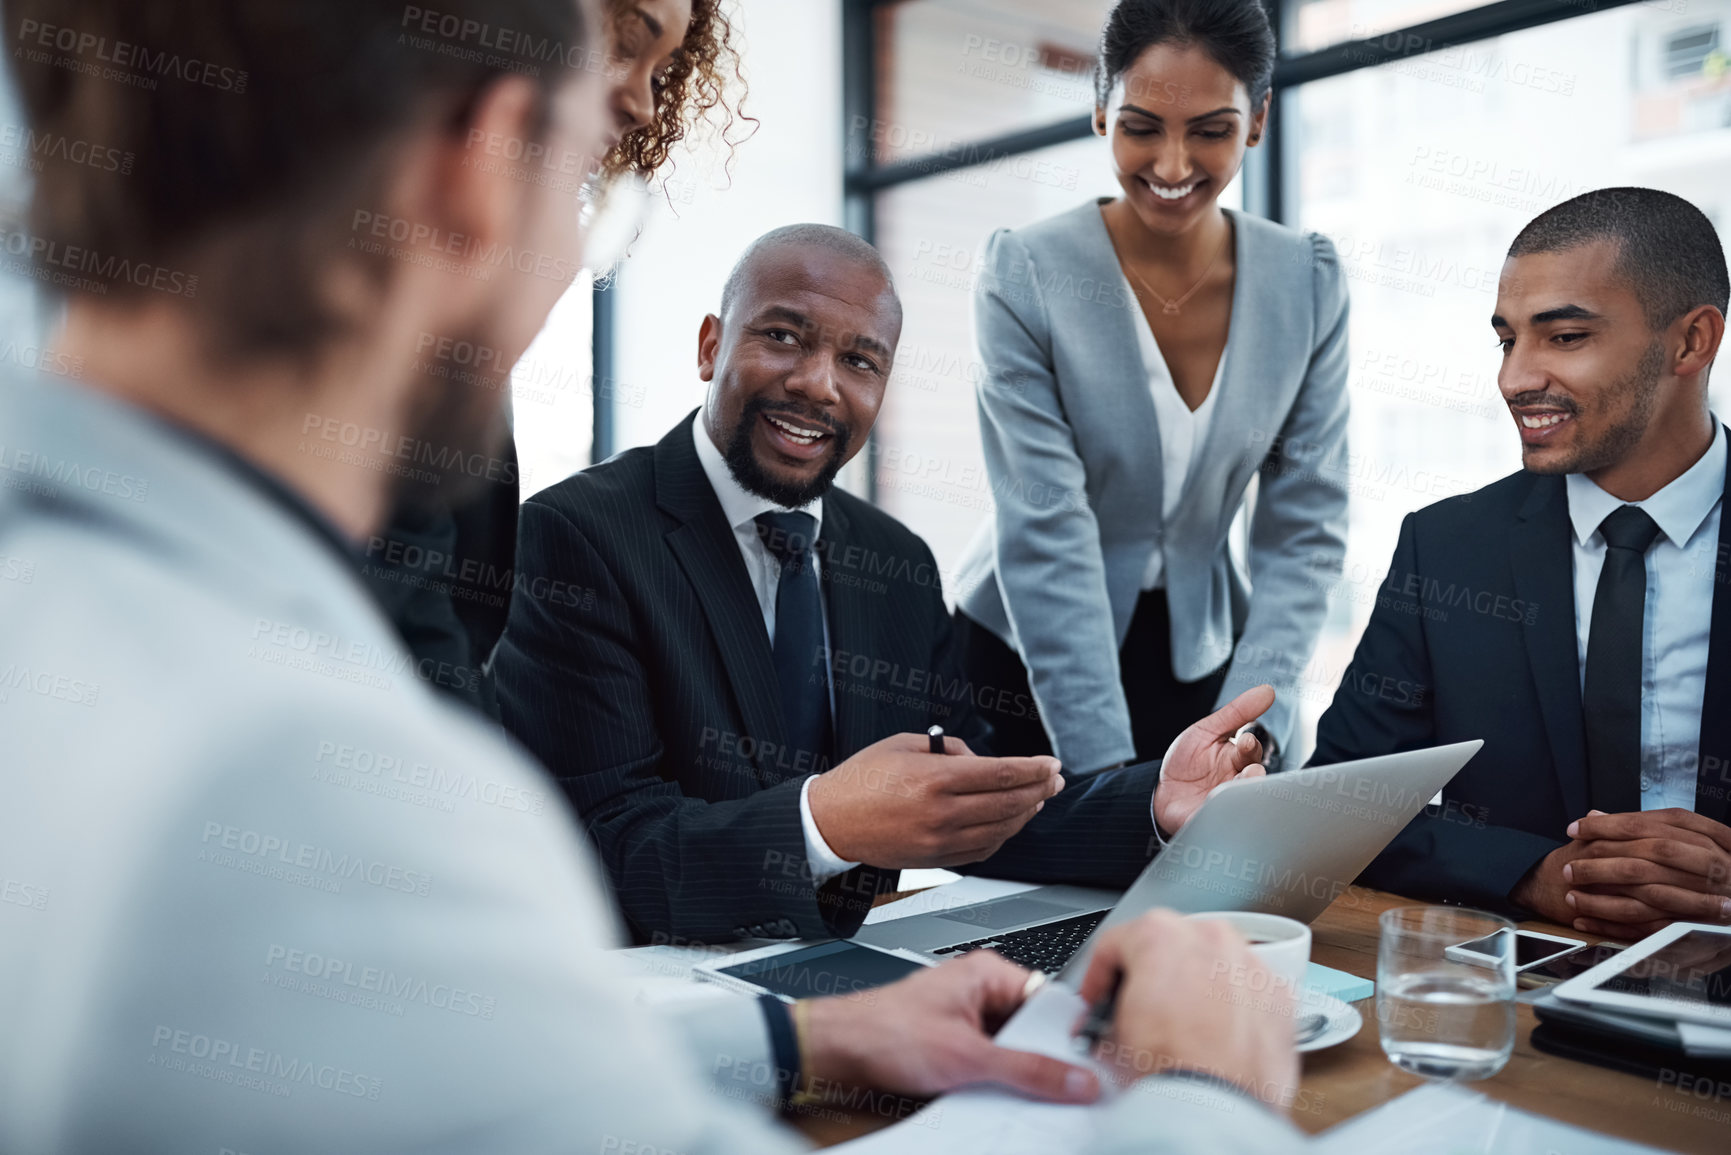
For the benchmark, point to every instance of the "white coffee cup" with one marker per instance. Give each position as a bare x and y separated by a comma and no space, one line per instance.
1280,944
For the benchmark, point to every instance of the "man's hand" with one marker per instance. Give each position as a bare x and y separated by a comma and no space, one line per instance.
896,804
1194,998
1545,888
1642,871
931,1033
1207,756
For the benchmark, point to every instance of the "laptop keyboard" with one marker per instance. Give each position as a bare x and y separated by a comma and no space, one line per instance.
1044,948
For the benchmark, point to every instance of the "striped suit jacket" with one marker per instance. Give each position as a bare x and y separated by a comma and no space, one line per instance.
636,666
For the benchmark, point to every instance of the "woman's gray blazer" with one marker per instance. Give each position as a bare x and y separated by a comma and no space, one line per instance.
1073,454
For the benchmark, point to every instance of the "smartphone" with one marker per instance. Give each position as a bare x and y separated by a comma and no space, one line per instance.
1532,949
1567,966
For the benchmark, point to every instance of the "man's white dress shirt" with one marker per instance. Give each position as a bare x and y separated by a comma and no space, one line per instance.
1674,638
741,508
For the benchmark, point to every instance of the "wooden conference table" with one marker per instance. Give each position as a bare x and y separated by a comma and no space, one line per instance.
1353,1077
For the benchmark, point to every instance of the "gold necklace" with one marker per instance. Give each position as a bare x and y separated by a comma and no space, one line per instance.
1172,307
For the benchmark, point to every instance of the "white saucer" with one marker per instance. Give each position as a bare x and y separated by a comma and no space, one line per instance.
1344,1020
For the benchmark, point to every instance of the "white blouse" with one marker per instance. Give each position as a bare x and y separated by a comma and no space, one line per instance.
1181,433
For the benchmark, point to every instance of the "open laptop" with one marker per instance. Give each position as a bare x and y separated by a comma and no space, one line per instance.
1287,844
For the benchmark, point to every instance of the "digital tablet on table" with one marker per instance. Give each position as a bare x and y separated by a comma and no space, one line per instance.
1682,972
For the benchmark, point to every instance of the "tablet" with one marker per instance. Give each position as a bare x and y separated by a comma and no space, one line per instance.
812,972
1682,972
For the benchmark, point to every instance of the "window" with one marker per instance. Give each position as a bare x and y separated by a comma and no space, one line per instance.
1419,135
933,233
957,72
1422,171
1687,52
553,391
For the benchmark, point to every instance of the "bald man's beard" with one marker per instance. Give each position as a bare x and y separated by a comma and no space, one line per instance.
458,434
742,461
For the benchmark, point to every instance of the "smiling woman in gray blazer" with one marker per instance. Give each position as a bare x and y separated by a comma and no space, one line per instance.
1148,357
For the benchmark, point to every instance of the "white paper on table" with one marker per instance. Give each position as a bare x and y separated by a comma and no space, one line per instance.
1444,1120
1705,1041
949,896
991,1121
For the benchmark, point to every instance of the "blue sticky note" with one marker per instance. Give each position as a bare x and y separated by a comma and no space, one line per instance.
1347,988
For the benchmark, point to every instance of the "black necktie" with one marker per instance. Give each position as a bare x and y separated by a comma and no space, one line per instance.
801,667
1611,699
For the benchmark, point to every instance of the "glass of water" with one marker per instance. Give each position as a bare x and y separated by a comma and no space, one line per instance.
1445,991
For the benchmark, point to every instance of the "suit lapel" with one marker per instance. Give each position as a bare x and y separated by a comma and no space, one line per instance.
707,551
1542,555
852,630
1713,776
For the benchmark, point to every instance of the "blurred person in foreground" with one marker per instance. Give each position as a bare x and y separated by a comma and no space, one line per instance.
265,890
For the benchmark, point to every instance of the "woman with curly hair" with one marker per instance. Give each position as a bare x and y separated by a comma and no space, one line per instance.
675,68
678,60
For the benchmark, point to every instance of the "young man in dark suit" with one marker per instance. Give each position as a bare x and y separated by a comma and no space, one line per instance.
1576,615
734,687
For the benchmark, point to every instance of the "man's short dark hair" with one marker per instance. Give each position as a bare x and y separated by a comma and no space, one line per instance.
261,124
836,240
1667,249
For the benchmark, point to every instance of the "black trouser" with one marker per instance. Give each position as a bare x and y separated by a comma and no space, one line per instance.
1161,706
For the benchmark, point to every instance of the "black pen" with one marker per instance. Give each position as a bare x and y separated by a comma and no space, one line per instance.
936,734
1101,1014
